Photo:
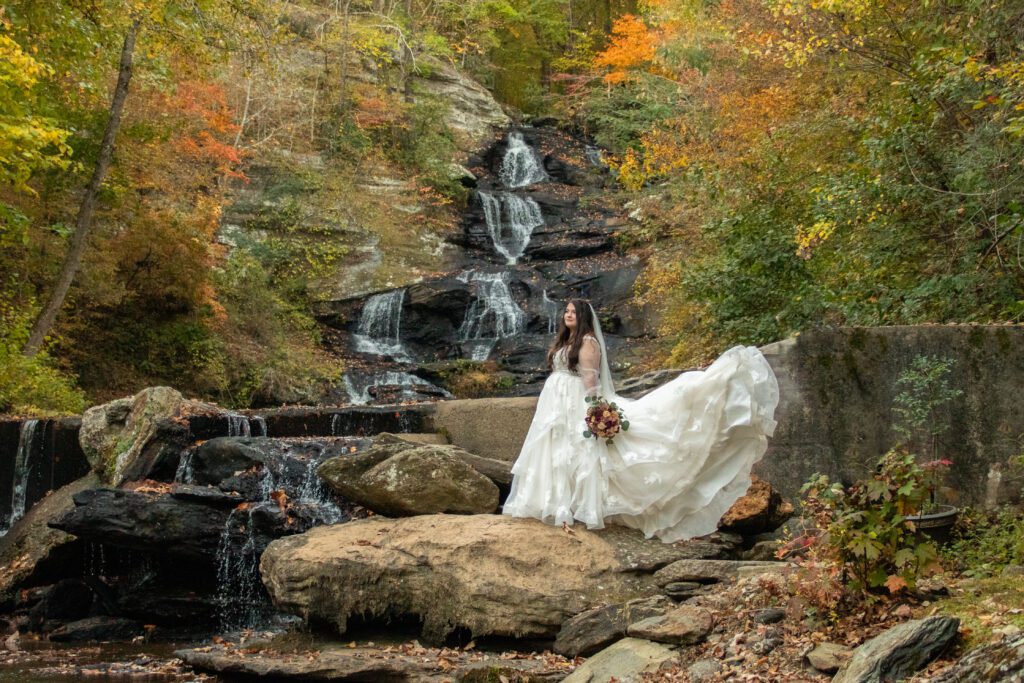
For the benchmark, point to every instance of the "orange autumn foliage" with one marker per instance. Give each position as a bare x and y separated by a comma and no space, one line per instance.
632,45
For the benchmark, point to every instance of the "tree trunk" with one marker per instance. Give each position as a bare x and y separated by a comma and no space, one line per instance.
83,223
408,57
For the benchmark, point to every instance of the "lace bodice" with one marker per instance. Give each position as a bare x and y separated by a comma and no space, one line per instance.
588,367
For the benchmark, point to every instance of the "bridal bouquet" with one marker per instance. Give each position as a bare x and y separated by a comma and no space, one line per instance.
604,419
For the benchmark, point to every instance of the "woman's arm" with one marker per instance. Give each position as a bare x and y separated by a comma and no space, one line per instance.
590,365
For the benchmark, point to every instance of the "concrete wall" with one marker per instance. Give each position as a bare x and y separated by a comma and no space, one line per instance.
838,385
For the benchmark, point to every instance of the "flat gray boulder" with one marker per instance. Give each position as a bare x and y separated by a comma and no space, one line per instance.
899,651
488,574
684,625
624,662
402,481
595,629
714,571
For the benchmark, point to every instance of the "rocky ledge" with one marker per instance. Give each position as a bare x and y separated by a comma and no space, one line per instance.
499,576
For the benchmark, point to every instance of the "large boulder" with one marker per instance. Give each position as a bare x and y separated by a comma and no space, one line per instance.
395,480
492,427
498,575
31,546
129,438
900,651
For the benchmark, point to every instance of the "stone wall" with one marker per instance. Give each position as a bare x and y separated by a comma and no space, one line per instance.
838,385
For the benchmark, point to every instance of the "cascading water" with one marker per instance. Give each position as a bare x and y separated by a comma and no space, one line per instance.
511,220
22,468
492,315
238,425
551,310
380,323
360,394
520,166
241,599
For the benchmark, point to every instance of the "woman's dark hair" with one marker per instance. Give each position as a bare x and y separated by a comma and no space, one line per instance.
573,340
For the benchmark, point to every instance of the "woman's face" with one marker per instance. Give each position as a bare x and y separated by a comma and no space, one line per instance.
570,317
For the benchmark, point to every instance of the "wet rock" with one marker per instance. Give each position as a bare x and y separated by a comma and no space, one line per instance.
67,600
683,625
500,576
32,547
713,571
828,657
760,510
595,629
900,651
624,662
414,481
159,520
999,662
131,437
250,465
97,628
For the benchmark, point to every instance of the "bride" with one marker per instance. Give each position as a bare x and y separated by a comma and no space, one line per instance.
684,460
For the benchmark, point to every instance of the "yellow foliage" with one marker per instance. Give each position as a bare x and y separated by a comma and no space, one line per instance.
632,45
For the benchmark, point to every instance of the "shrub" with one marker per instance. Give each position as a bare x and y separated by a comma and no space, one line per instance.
866,528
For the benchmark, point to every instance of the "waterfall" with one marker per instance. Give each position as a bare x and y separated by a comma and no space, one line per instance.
184,473
492,315
380,325
360,394
261,425
22,467
238,425
520,166
241,600
511,220
551,310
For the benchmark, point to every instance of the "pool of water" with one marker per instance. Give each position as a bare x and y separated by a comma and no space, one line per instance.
45,662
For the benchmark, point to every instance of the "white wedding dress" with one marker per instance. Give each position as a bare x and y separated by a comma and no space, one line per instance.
684,461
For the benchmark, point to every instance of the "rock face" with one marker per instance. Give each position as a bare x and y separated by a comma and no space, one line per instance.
499,576
420,480
31,546
472,111
474,425
899,652
128,438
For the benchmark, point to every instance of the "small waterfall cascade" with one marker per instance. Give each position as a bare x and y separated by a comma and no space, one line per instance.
551,310
492,315
379,330
511,220
360,394
520,166
27,443
242,602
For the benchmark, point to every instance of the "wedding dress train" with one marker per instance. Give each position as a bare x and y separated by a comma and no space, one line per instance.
684,461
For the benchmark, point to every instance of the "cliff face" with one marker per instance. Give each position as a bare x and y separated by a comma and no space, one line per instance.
355,166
